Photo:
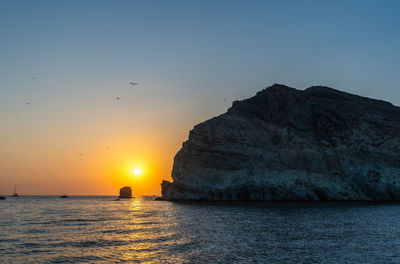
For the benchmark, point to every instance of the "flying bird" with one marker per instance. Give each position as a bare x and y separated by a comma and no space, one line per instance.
224,99
28,103
118,98
134,83
34,78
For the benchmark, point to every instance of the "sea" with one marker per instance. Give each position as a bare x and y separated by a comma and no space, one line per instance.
101,229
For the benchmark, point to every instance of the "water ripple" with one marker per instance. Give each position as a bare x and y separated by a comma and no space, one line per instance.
99,230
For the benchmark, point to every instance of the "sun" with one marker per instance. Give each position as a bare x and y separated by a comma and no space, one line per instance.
137,171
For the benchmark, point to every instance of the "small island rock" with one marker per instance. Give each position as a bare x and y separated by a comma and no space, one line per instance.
125,192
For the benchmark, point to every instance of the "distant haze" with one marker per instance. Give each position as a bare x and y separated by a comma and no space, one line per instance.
64,63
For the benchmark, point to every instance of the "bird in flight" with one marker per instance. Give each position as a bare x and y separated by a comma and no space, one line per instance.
28,103
34,78
224,99
118,98
134,83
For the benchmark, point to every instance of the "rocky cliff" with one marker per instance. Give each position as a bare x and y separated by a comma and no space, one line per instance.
288,144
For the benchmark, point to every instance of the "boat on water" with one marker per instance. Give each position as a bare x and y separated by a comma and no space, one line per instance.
15,194
64,196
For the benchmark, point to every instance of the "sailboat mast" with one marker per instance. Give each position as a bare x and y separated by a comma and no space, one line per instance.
15,194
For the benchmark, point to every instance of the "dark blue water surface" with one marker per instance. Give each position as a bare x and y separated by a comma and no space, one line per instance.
140,230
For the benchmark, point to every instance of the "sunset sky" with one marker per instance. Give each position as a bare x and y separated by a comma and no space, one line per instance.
71,59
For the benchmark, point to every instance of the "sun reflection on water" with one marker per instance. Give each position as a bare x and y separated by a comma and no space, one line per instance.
150,233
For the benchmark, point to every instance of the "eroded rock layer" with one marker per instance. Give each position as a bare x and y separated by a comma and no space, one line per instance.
288,144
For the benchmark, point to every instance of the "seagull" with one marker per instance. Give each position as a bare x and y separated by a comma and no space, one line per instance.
28,103
134,83
34,78
118,98
80,154
224,99
197,98
108,147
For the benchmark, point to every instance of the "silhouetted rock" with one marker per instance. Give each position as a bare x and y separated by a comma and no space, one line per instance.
288,144
164,187
125,192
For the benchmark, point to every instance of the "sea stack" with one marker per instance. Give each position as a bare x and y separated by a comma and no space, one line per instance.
294,145
125,192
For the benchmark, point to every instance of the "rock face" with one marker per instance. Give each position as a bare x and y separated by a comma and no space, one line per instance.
164,187
288,144
125,192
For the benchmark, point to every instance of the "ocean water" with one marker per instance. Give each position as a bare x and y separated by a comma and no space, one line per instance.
140,230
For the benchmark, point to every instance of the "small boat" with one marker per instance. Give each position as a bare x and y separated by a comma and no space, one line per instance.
2,197
64,196
15,194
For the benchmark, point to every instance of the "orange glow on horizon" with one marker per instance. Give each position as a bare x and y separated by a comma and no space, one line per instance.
92,164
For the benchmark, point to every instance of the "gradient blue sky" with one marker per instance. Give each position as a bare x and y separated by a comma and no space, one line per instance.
84,53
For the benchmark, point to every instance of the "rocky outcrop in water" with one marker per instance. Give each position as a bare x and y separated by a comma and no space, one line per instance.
287,144
125,192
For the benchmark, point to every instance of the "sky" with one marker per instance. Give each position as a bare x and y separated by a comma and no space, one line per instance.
71,59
